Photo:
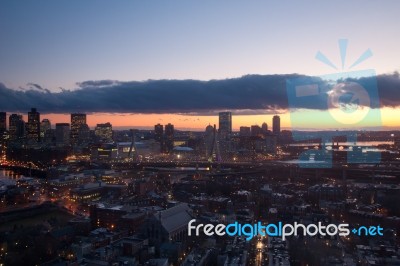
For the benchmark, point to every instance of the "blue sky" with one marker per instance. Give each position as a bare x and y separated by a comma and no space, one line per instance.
58,43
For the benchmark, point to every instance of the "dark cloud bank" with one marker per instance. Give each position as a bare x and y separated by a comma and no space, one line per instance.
251,92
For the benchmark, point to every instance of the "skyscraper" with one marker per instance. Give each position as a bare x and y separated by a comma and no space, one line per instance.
169,137
33,126
16,127
276,125
158,132
245,131
159,136
225,123
264,127
104,132
77,122
208,139
3,121
84,134
62,134
45,125
255,130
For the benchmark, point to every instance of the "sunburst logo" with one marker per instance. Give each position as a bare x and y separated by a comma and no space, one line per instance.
348,102
343,43
339,103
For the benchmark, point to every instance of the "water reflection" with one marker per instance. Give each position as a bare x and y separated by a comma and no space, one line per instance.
9,174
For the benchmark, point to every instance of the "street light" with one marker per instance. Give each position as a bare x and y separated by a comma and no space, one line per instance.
259,245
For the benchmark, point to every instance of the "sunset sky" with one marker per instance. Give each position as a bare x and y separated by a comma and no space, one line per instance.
199,123
52,49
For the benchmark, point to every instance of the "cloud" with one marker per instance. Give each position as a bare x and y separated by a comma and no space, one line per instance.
251,94
390,92
97,83
37,86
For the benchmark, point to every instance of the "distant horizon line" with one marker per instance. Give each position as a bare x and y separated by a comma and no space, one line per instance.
384,128
198,128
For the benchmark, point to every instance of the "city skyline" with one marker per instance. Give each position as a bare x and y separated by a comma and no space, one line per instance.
146,132
147,121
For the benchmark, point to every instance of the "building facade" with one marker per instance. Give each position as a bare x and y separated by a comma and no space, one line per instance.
33,126
169,137
225,124
3,121
16,127
62,134
276,125
104,132
77,123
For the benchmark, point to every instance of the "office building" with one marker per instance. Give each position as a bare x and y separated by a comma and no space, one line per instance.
158,132
16,127
77,122
276,125
209,137
169,137
159,136
103,132
3,121
84,134
225,124
264,128
46,133
33,126
245,132
62,134
45,125
256,130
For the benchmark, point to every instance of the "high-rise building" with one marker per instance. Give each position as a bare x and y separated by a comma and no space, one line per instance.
276,125
33,126
245,132
3,121
208,140
45,125
104,132
159,136
169,137
62,134
256,130
84,134
264,127
16,127
158,132
225,124
77,122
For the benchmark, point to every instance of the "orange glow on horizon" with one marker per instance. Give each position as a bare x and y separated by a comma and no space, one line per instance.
192,122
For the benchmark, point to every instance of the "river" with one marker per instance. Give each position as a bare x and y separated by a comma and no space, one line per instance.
9,174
